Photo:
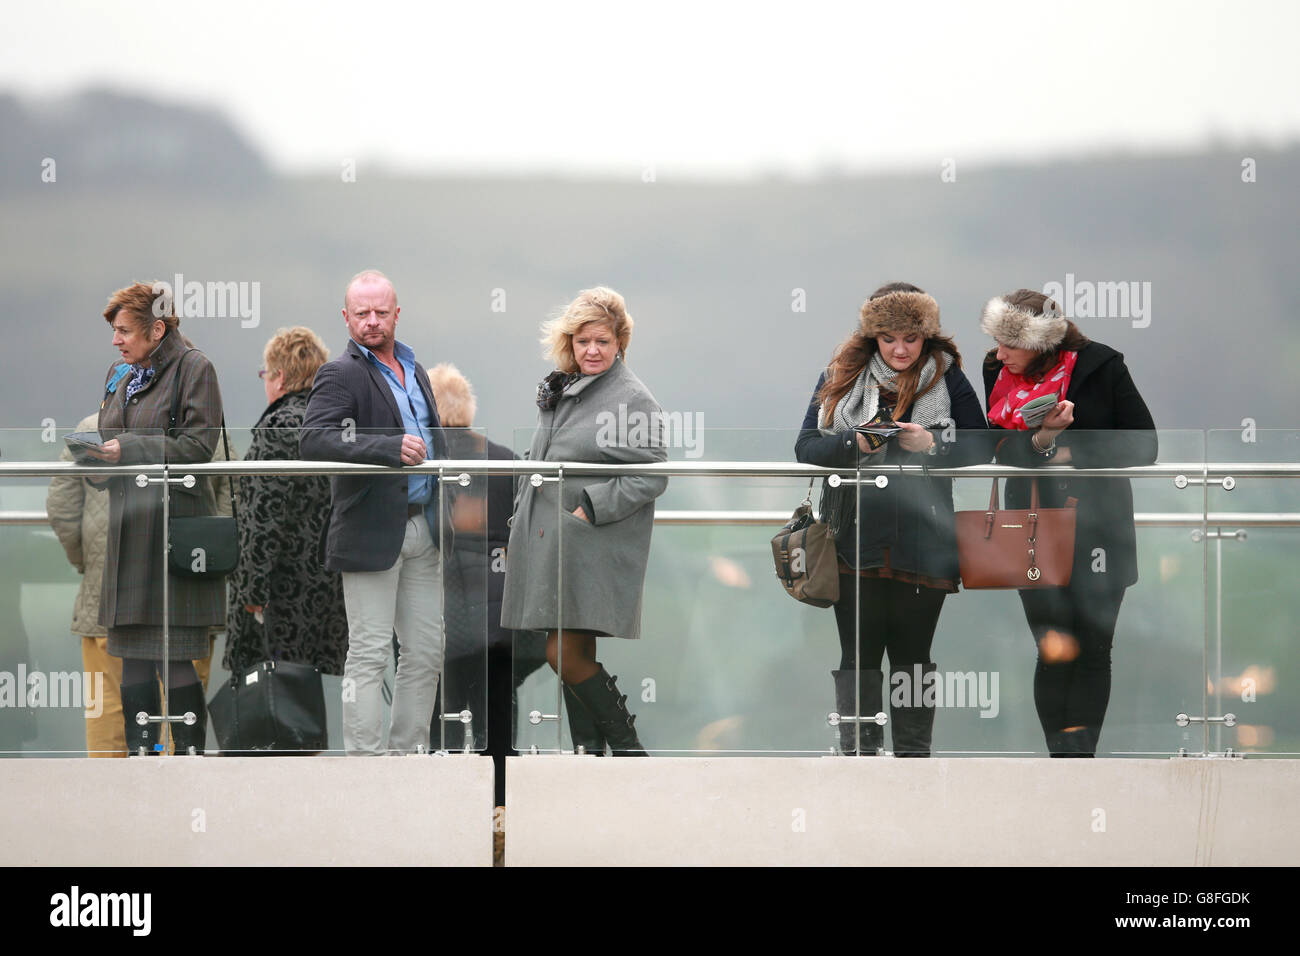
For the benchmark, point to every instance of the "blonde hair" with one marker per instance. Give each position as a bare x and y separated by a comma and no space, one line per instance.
601,305
453,395
297,352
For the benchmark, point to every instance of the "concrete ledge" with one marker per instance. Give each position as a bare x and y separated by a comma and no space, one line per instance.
217,811
754,811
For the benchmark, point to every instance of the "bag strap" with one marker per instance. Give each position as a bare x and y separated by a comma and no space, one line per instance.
993,494
176,404
176,391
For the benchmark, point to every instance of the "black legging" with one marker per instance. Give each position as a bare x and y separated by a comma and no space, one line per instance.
896,617
138,671
1072,676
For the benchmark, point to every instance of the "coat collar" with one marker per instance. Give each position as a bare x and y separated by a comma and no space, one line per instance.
615,372
167,354
290,402
381,383
169,351
1091,357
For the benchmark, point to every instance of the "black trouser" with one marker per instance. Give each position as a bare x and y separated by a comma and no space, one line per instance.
1073,630
897,618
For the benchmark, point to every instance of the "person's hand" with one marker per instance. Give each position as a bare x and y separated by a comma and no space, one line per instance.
1058,420
579,513
413,451
254,608
915,437
110,452
864,447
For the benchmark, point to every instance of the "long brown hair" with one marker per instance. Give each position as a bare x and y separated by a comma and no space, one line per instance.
854,353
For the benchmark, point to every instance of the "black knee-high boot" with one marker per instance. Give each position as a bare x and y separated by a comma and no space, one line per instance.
599,694
587,737
872,737
912,721
141,698
183,700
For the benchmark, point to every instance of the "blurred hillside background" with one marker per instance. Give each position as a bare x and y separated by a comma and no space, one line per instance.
713,272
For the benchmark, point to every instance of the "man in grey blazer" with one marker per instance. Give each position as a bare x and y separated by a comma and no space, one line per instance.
374,405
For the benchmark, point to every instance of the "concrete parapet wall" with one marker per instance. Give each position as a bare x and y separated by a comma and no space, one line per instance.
853,811
216,811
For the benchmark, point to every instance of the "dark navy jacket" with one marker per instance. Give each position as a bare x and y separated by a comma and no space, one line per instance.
352,416
913,516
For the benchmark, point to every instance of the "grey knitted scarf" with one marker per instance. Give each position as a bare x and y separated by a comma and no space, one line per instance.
863,400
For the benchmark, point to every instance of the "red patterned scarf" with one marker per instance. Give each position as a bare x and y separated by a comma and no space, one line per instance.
1011,392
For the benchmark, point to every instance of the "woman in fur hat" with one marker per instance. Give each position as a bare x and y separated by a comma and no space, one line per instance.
900,561
1100,421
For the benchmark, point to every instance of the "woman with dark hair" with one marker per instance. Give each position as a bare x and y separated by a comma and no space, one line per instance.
1100,421
135,424
897,545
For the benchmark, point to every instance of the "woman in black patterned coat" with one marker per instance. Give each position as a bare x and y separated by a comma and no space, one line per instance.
282,600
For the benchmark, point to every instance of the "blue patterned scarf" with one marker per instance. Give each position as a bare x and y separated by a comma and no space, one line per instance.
140,377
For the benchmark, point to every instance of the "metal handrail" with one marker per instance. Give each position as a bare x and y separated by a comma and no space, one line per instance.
1214,471
703,516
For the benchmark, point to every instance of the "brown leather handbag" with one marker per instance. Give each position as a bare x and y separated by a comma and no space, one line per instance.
1032,548
804,553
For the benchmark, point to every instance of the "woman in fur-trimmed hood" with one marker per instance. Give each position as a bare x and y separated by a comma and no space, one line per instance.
1099,421
897,545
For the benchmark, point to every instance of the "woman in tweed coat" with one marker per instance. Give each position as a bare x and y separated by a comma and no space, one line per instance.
133,422
593,409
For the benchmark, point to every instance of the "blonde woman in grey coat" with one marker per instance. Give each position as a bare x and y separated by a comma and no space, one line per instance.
593,409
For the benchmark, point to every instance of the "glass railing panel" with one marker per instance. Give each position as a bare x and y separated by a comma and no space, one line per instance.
473,534
285,615
60,690
1051,678
388,565
1253,533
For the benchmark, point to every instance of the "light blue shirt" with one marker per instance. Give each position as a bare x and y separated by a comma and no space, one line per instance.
416,418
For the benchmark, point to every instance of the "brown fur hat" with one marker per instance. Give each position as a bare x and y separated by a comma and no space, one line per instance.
1020,327
901,313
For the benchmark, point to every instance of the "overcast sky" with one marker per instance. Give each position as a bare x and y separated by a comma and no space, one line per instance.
688,88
